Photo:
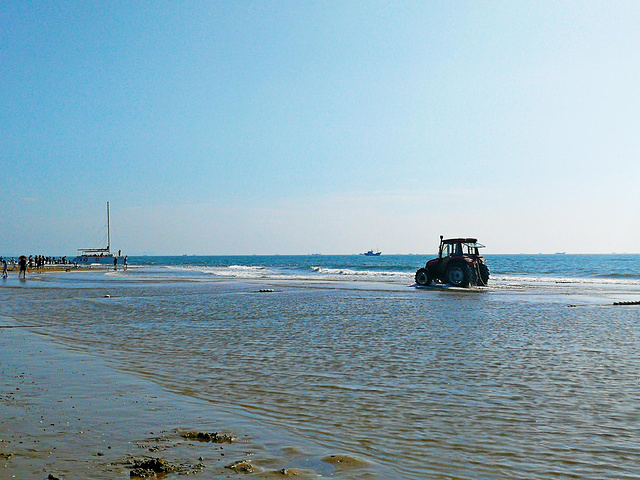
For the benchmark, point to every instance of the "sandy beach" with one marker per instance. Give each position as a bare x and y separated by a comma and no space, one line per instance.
68,415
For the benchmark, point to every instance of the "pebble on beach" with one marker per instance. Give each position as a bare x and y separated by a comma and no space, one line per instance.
214,437
149,467
286,472
242,466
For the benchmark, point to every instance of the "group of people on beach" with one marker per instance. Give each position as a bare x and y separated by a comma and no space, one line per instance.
22,264
38,262
32,261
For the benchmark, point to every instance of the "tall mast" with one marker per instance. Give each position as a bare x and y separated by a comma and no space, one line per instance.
108,231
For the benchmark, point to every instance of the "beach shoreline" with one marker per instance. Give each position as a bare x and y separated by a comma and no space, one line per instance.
65,414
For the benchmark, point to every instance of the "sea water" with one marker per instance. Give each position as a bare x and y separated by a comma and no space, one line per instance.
532,377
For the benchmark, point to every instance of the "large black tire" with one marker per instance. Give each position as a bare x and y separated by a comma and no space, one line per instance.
458,275
473,277
484,275
422,277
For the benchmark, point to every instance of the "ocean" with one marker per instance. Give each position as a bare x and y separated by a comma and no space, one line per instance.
532,377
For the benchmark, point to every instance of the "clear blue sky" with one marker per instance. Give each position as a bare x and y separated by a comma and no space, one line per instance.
320,127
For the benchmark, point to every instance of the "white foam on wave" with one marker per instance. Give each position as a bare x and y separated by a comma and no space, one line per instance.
232,271
316,273
250,268
565,280
347,272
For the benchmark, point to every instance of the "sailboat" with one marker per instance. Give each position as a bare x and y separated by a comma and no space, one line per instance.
98,255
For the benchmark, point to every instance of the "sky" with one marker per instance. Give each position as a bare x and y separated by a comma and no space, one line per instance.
297,127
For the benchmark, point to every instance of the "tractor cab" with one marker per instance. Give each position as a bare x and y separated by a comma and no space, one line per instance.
457,247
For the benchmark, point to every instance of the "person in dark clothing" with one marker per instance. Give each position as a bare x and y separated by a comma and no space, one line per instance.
23,267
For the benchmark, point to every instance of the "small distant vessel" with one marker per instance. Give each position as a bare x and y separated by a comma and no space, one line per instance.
102,256
371,253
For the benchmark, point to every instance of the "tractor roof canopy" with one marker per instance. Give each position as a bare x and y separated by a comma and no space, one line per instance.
472,242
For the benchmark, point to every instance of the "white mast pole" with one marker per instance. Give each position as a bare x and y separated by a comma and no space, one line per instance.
108,231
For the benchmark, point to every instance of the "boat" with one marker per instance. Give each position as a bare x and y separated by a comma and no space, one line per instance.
371,253
98,255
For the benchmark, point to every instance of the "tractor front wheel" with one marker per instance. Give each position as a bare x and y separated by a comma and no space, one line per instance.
422,277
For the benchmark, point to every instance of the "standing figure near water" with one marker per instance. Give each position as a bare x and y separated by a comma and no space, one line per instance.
115,263
23,267
5,273
125,262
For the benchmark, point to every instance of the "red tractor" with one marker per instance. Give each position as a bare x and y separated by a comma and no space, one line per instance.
459,264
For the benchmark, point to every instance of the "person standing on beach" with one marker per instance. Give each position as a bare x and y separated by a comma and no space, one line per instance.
125,262
23,267
115,263
5,272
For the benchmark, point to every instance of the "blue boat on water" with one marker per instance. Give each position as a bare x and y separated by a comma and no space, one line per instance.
371,253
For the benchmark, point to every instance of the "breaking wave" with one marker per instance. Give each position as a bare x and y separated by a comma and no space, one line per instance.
347,272
231,271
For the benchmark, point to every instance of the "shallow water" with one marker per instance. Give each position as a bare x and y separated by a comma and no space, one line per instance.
530,378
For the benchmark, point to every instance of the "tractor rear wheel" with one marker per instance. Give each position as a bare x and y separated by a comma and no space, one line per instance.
458,275
484,275
422,277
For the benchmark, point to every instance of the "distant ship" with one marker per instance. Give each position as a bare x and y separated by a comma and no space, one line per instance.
371,253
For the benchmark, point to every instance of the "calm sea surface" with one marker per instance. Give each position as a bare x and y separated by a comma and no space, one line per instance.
534,377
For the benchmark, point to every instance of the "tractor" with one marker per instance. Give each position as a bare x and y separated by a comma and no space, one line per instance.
459,264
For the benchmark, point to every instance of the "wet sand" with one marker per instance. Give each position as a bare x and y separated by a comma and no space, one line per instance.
70,415
333,379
